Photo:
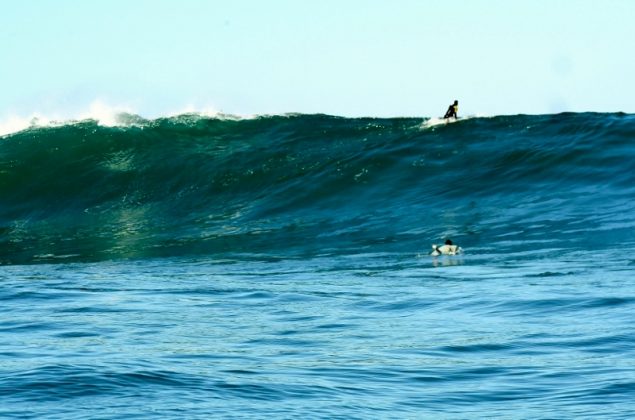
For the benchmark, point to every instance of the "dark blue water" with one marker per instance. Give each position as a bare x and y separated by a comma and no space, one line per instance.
278,267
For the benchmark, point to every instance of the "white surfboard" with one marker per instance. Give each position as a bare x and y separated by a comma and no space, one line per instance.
445,250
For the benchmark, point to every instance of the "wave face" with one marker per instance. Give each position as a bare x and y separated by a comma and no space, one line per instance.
307,185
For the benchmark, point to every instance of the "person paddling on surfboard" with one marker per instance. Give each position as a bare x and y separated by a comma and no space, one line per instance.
447,249
452,111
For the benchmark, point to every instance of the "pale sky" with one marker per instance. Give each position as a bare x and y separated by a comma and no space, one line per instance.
341,57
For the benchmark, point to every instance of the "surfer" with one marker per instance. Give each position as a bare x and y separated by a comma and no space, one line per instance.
448,249
452,111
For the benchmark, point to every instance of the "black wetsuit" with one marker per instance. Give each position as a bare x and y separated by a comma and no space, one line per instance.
452,111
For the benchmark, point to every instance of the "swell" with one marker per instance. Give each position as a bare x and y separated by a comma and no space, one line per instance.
304,184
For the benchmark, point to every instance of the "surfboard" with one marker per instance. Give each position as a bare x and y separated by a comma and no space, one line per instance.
433,122
446,250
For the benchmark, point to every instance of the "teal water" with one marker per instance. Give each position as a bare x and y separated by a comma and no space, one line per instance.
363,336
278,267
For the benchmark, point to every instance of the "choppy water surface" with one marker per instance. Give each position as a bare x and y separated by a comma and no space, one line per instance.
360,336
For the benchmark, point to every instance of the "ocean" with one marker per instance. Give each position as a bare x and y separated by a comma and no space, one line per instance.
278,267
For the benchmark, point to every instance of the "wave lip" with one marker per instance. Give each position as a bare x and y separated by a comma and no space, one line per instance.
301,184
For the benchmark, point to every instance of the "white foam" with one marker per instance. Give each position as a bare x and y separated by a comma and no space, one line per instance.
14,123
105,114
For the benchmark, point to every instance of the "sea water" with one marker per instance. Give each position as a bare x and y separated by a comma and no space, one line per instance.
196,267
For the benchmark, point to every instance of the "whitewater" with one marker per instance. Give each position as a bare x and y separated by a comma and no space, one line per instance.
215,266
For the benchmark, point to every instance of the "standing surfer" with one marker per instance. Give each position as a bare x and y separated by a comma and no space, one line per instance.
453,110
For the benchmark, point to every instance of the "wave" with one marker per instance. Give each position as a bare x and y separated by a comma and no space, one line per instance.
314,184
